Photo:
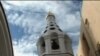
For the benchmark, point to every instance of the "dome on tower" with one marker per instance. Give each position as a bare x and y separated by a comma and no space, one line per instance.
50,13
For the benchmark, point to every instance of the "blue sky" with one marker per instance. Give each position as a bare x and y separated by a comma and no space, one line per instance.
27,22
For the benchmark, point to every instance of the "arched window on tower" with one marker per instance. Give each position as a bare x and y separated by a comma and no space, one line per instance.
60,30
51,25
52,28
54,44
45,31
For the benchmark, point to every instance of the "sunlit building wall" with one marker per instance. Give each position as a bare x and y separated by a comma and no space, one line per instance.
89,44
5,38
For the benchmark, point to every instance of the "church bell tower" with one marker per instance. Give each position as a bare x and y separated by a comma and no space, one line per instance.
54,42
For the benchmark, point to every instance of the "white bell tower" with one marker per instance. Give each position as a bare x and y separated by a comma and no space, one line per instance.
54,42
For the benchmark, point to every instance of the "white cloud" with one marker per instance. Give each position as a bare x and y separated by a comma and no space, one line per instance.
33,22
25,46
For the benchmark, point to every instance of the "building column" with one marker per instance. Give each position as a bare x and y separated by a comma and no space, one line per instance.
39,49
48,46
62,45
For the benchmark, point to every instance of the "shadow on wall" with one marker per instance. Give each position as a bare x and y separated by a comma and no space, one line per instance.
6,48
